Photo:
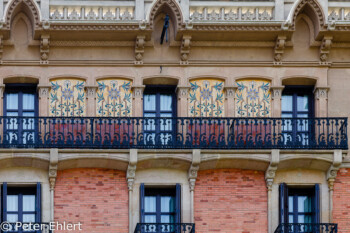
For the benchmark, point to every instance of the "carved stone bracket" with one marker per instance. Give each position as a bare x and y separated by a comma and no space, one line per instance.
276,92
185,49
53,168
44,49
325,49
182,92
139,49
91,91
131,172
333,170
271,170
138,91
230,92
193,171
279,49
321,92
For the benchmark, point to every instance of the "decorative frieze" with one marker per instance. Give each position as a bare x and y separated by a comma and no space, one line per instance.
232,14
93,13
338,14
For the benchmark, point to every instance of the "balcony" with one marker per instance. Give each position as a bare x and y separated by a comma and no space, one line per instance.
307,228
173,133
165,228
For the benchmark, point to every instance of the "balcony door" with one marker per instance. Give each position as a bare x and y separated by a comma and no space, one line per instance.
159,105
297,103
20,108
160,209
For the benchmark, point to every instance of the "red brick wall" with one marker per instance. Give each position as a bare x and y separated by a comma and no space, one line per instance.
98,198
341,200
230,201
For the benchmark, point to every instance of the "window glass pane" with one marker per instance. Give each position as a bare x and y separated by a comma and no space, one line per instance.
28,202
149,102
150,219
28,101
12,202
303,103
290,218
12,100
166,102
28,217
167,219
12,217
287,103
167,204
150,204
304,204
290,204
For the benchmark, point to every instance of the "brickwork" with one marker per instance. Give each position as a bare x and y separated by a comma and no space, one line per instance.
230,201
341,200
98,198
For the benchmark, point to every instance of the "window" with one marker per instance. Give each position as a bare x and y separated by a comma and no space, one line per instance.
159,102
297,102
160,206
20,101
21,204
299,205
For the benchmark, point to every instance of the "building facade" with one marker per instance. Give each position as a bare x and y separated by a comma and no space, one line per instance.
175,115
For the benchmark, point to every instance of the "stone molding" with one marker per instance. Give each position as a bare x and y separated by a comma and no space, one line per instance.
183,91
31,6
44,91
316,7
230,92
276,92
138,91
321,92
91,91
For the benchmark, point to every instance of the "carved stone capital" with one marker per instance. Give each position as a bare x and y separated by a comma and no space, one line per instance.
192,184
43,91
185,49
230,92
182,92
44,49
91,91
321,92
279,48
138,91
131,184
139,49
325,49
276,92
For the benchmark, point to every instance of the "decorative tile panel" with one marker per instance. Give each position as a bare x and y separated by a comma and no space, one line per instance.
253,98
114,98
206,98
67,97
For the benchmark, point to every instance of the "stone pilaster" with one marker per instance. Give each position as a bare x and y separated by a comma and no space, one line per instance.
269,178
130,178
138,100
91,100
321,101
2,90
182,101
230,106
44,92
52,179
192,176
276,93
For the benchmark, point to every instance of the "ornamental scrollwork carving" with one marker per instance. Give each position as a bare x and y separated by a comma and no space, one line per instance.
44,92
279,48
44,48
325,49
185,49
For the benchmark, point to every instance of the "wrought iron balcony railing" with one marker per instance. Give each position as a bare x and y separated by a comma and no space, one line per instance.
165,228
173,133
307,228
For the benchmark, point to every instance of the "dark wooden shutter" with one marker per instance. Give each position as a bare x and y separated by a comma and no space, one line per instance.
178,204
38,203
317,203
4,202
142,202
283,203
